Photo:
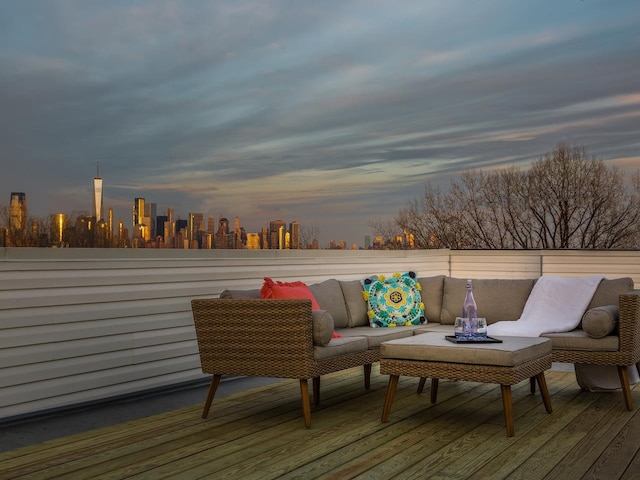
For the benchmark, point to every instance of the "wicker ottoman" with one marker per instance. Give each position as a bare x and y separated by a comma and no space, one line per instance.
431,355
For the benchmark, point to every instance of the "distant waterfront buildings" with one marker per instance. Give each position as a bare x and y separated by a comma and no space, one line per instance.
148,229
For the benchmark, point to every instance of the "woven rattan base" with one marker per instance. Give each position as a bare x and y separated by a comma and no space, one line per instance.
505,376
466,372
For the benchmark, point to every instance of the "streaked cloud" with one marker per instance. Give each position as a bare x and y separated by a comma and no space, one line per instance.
332,112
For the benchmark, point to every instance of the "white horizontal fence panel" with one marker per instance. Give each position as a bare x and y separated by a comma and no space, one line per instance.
81,325
69,313
488,264
612,264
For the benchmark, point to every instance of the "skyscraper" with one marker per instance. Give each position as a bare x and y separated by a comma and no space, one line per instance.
150,214
168,239
238,232
277,229
137,214
110,224
98,212
222,237
196,226
141,218
253,241
58,225
294,230
18,211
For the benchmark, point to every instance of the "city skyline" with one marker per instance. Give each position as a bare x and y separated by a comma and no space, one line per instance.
333,113
148,229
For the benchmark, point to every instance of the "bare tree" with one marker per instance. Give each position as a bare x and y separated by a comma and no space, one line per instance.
390,232
565,200
34,232
309,235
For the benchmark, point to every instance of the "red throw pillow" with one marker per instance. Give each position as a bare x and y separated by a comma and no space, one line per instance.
284,290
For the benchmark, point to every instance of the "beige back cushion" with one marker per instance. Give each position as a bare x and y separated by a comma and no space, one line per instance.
329,296
431,294
241,294
497,299
609,290
355,303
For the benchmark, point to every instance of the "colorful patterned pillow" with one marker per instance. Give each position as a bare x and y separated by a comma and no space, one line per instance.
393,301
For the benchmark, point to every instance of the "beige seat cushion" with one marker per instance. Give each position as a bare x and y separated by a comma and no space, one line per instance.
433,347
579,340
434,327
339,346
375,336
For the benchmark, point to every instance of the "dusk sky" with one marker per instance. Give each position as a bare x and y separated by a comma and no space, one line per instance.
333,113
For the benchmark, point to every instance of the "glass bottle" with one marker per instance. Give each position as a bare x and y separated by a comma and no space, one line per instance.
469,311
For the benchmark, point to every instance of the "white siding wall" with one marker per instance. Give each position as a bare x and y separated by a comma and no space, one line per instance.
79,325
82,325
495,264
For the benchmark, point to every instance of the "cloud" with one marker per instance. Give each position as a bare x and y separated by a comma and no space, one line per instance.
311,110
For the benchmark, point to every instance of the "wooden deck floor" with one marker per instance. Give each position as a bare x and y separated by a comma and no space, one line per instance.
259,434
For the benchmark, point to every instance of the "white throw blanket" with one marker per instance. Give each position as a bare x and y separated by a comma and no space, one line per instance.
556,304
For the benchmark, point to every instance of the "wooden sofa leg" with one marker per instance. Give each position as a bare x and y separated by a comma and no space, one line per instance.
316,390
215,381
434,390
626,389
388,400
507,405
544,391
306,406
532,385
367,376
421,384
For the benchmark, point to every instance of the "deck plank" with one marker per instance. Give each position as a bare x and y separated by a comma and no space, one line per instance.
259,434
620,452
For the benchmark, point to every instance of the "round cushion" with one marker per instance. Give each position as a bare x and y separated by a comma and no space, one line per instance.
600,321
322,327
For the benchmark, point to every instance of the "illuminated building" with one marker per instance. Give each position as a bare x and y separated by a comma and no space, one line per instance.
294,230
58,224
18,211
277,229
98,212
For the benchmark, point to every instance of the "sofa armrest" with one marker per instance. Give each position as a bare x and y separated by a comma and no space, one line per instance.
629,325
254,337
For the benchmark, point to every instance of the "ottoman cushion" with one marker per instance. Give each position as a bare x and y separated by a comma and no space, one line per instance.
433,347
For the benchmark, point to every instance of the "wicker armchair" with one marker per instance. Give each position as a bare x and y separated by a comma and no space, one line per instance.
266,338
628,352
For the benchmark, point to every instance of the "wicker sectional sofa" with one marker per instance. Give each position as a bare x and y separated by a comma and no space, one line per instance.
242,334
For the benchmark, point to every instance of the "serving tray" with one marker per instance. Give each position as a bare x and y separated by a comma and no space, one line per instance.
453,339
